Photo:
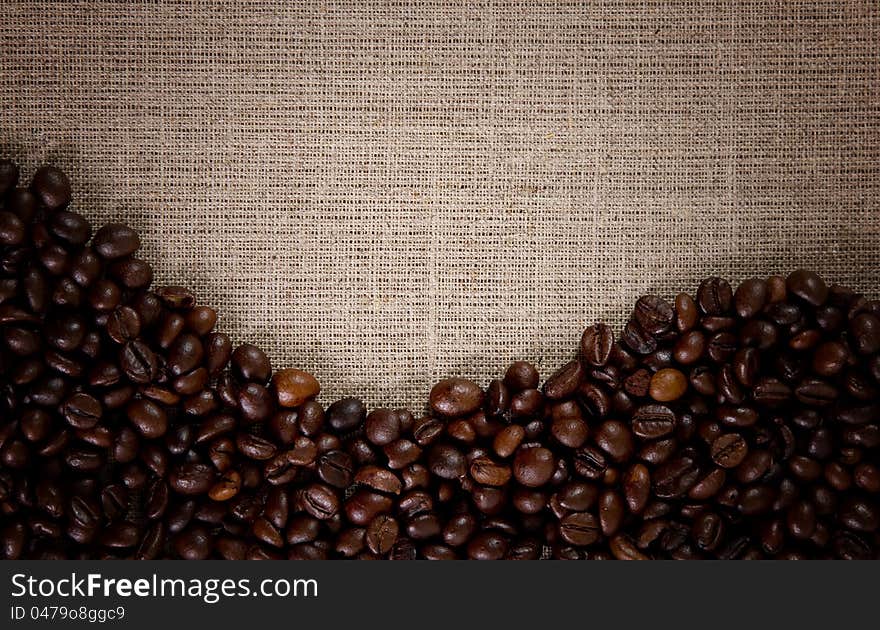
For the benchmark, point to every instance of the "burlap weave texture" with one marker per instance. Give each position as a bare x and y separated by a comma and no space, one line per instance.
385,193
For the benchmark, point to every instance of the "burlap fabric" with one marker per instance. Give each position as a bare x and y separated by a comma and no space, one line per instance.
387,193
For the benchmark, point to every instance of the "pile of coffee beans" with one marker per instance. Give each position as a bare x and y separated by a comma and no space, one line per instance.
731,424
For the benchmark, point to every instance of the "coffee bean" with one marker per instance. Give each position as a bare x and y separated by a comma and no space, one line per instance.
750,297
521,375
446,462
336,468
637,339
865,331
115,240
382,533
580,529
533,466
652,422
714,296
82,411
379,479
596,344
294,387
508,440
564,382
138,362
455,397
148,418
615,438
637,487
667,385
51,187
676,477
191,479
346,414
808,286
488,473
729,450
653,315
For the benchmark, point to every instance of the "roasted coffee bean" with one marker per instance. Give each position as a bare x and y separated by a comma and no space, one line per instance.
251,364
675,477
521,375
455,397
714,296
191,479
564,382
379,479
148,418
115,240
255,447
750,298
294,387
52,187
363,506
580,529
596,344
336,468
346,415
82,411
138,362
808,286
729,450
445,461
637,339
653,315
616,439
533,466
320,501
667,385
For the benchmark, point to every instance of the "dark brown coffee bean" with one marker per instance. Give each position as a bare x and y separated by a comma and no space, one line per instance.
346,414
615,438
611,512
51,187
455,397
596,344
191,479
564,382
750,297
533,466
653,314
379,479
652,422
320,501
138,362
363,506
676,477
148,418
381,534
637,339
82,411
446,462
580,529
115,240
637,487
715,296
729,450
808,286
251,364
589,462
488,473
336,468
521,375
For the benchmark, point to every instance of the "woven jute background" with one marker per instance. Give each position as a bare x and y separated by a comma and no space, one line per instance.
387,193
